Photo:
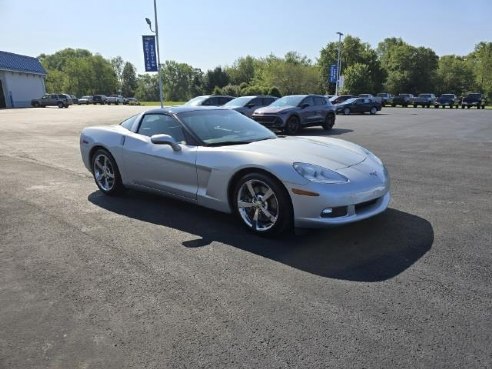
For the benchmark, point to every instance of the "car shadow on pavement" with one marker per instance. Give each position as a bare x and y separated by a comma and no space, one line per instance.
373,250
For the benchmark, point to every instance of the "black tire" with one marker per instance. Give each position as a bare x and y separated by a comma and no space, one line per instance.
329,122
393,105
60,105
35,104
437,106
414,105
292,126
374,110
462,106
468,107
260,215
346,111
106,173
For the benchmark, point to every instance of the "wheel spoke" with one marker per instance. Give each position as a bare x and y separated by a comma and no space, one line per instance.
244,204
110,175
267,195
250,188
255,219
99,165
268,215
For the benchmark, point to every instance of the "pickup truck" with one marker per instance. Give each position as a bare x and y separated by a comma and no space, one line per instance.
424,100
386,98
402,99
115,99
474,99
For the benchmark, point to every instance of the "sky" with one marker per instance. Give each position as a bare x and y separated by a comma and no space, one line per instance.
207,34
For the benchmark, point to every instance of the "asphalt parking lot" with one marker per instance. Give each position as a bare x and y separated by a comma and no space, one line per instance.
138,281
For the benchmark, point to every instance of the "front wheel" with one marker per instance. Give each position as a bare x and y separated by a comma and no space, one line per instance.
262,204
106,173
346,111
329,122
60,105
374,110
292,125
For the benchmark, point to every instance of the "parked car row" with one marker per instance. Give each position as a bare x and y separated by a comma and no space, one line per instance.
65,100
288,114
427,100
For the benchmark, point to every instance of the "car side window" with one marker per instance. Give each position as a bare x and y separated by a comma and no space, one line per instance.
267,100
210,101
319,100
154,124
308,100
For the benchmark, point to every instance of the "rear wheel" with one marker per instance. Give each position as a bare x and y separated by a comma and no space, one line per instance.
262,204
346,111
292,125
329,122
35,104
106,173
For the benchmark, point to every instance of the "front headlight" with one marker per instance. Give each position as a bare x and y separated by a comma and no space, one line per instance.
315,173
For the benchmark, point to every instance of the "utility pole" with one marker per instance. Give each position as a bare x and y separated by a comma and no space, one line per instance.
339,63
158,53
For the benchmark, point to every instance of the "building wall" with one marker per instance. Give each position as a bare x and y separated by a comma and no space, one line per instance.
20,88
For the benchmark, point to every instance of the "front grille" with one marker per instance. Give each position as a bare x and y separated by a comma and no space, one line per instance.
267,119
364,205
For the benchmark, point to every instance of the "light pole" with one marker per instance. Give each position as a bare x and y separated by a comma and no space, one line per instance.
158,54
339,63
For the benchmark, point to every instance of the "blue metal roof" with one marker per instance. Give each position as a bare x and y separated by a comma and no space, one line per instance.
20,63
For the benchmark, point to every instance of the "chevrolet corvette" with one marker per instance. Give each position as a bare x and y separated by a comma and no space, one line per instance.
220,159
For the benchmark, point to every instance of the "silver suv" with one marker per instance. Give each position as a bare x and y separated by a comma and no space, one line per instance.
246,105
60,100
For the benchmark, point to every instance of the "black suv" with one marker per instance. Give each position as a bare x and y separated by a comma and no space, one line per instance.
99,99
475,99
403,100
293,112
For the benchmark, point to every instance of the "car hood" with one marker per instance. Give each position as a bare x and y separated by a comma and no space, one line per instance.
330,153
274,109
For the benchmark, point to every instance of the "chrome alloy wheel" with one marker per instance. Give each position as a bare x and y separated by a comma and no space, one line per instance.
258,205
104,172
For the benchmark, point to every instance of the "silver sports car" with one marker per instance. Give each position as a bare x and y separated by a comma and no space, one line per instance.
220,159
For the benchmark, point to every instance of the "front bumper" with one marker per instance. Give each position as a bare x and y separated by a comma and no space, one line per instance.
367,195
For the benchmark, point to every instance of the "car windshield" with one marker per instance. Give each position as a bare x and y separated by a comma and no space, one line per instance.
476,96
196,101
424,95
448,96
239,101
220,127
85,97
293,100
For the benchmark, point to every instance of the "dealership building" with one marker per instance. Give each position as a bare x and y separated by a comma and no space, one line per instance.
21,80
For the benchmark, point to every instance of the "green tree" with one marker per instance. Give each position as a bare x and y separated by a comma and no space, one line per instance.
480,61
147,87
356,81
292,74
409,69
117,63
454,75
128,80
353,51
215,78
242,71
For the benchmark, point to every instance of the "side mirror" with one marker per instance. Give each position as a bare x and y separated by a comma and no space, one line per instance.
165,140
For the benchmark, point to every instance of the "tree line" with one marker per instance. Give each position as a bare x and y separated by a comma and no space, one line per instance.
393,66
